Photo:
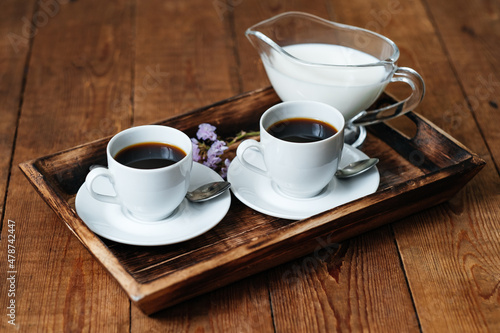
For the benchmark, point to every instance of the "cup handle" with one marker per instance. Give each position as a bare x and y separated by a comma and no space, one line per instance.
240,154
89,181
402,74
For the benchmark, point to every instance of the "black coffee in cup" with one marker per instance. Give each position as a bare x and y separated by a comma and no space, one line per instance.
150,155
301,130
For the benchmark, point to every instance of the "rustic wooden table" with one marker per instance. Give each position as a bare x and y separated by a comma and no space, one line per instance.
76,71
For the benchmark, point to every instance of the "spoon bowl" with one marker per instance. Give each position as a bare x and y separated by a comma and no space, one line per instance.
208,191
356,168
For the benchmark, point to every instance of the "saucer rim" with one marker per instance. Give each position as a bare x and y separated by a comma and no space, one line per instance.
297,216
224,199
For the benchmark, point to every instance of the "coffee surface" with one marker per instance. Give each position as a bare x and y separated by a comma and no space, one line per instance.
150,155
301,130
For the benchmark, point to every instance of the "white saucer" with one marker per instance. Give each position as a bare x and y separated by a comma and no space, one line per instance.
259,193
188,220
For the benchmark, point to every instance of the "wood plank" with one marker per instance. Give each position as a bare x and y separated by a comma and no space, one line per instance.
236,308
14,46
470,32
193,58
157,277
450,253
339,288
182,61
245,14
79,64
14,52
466,225
305,307
466,261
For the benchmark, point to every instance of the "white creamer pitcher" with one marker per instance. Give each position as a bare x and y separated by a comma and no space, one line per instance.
309,58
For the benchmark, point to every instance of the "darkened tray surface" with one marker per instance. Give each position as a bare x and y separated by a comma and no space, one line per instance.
416,173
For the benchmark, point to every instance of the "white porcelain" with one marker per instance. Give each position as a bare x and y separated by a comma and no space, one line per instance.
310,58
150,194
298,169
259,193
189,219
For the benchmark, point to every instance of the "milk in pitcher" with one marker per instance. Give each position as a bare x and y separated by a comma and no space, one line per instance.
349,89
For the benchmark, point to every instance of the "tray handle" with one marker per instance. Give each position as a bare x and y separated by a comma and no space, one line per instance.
429,147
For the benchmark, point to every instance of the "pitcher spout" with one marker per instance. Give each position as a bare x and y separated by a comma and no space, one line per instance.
258,35
309,58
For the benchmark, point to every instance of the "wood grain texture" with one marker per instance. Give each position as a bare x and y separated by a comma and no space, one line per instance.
462,244
184,59
159,277
247,13
470,37
78,64
240,307
445,240
98,67
252,72
347,286
14,53
14,46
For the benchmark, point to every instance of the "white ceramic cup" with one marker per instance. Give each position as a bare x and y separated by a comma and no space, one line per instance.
147,194
300,170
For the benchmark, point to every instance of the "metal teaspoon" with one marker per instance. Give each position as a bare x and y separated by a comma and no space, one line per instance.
208,191
356,168
211,190
203,193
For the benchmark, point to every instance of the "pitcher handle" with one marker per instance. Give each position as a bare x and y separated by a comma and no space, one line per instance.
402,74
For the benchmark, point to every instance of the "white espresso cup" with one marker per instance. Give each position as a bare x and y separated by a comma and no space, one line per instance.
299,169
146,194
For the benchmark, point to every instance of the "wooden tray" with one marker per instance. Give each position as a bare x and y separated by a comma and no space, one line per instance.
416,173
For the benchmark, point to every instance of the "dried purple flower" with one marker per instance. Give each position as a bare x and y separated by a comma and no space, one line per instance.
206,132
196,150
223,170
208,149
217,148
214,152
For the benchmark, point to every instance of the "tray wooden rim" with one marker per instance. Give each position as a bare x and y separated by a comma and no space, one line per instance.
146,295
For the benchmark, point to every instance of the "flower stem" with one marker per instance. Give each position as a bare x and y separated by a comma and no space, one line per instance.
241,136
